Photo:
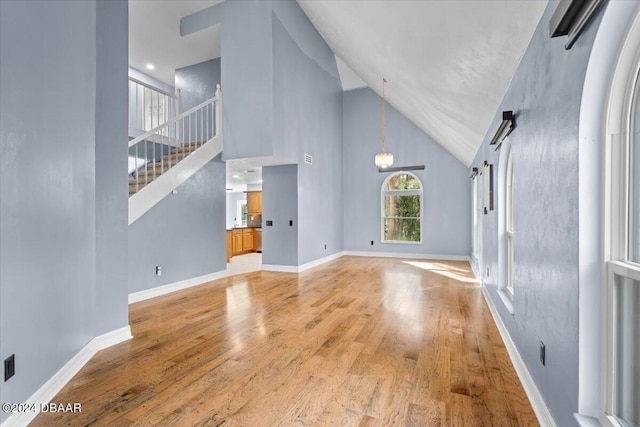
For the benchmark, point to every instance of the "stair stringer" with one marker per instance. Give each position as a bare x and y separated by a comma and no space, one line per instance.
146,198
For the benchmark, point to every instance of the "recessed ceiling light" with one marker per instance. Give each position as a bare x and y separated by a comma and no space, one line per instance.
151,67
236,176
260,181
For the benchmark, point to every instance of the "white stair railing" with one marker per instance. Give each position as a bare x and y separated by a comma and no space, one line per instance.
149,107
172,153
164,146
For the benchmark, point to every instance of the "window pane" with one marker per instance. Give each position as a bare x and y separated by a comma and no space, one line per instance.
627,351
634,185
509,194
244,213
510,263
147,109
402,206
405,229
403,181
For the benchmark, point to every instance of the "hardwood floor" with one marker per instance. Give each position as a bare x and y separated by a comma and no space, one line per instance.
357,341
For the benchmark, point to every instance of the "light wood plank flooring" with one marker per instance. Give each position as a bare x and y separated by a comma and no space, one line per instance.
354,342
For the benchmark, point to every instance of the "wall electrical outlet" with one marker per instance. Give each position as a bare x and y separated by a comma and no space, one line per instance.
9,367
325,246
543,355
372,243
158,270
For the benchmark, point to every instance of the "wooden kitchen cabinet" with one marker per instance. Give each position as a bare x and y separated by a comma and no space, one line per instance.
237,241
247,240
243,241
257,241
254,202
229,244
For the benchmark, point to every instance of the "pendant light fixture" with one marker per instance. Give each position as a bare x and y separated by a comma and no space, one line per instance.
384,159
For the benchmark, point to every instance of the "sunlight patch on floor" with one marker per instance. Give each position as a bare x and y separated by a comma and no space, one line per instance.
452,272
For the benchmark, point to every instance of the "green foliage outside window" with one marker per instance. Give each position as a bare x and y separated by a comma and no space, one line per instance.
244,213
402,212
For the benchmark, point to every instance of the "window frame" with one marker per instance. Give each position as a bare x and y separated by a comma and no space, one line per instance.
479,185
239,204
625,85
509,231
384,192
474,219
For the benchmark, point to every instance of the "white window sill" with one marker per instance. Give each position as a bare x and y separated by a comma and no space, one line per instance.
401,242
507,300
586,421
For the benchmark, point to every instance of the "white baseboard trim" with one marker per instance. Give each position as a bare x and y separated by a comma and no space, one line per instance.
319,261
475,267
537,402
280,268
303,267
408,255
53,386
173,287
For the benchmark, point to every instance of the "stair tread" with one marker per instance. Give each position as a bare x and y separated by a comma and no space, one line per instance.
186,147
147,175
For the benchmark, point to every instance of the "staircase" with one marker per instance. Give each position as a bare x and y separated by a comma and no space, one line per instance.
173,152
153,170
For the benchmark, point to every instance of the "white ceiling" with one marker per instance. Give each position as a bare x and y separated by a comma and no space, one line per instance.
154,37
348,78
241,172
448,63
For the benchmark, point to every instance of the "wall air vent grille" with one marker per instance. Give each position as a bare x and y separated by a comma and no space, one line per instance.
308,159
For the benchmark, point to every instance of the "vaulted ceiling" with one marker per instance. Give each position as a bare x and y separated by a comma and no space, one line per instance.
154,37
448,63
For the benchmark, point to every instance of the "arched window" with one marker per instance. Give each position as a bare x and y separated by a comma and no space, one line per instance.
401,207
622,241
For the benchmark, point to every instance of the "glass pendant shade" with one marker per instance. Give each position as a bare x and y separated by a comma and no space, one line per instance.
384,160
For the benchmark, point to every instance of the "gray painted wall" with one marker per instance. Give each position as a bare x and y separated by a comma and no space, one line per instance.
446,206
545,94
232,207
280,205
197,82
307,113
110,305
192,241
282,98
53,217
246,72
184,233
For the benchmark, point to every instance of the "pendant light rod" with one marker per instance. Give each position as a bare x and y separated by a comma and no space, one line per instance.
384,160
384,128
